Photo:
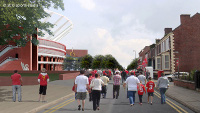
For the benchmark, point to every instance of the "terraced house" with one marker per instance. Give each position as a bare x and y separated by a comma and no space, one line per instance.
178,50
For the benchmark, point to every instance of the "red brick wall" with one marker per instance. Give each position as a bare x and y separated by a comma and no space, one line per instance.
6,81
142,53
77,53
68,76
187,43
185,84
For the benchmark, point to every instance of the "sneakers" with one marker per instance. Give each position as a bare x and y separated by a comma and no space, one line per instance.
151,103
131,104
79,107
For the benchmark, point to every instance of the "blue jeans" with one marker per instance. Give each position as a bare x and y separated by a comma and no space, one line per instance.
162,93
131,95
18,89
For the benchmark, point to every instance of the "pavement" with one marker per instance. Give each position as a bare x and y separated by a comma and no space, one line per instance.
60,90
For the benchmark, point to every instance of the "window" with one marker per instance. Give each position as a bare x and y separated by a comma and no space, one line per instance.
158,63
166,61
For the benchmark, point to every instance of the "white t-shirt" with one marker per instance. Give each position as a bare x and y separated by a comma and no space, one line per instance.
132,82
81,82
105,80
142,78
96,84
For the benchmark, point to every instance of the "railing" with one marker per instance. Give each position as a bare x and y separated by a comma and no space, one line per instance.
6,60
6,49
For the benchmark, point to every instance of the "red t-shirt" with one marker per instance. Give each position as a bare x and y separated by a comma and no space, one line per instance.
141,90
150,86
16,79
93,73
43,79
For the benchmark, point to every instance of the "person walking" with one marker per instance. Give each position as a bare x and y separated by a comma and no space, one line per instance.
116,85
163,85
104,88
90,90
147,75
81,83
141,90
132,83
150,89
96,85
142,78
123,74
43,78
16,85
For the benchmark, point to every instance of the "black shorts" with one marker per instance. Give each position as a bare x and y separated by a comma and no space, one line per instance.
150,93
43,90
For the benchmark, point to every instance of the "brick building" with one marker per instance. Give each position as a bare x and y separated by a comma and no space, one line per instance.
48,54
178,47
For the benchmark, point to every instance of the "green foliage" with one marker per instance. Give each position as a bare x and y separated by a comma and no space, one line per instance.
133,64
97,62
19,19
86,62
71,63
100,62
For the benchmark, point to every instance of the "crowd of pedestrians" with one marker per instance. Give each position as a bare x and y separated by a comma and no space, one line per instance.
95,83
135,83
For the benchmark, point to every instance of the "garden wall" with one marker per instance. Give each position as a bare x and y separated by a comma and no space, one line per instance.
185,84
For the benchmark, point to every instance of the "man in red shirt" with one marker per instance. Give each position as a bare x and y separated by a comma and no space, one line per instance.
150,89
43,78
16,85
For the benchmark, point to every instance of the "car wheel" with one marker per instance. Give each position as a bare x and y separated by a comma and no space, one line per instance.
170,79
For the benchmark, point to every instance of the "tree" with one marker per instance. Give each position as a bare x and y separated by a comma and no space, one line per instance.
68,63
133,64
71,63
86,62
97,62
110,62
22,17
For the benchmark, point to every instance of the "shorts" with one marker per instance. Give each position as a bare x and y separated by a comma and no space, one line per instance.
81,95
150,93
43,90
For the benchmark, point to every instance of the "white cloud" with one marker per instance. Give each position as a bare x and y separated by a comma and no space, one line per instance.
87,4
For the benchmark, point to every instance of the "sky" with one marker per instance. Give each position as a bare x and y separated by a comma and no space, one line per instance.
120,27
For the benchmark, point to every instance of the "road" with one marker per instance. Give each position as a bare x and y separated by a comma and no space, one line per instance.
120,105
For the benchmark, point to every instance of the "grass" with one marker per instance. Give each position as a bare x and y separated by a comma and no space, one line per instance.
52,76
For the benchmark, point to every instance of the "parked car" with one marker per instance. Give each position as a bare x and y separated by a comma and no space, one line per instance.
171,77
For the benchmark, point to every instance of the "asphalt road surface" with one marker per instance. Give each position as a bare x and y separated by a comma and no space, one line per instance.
120,105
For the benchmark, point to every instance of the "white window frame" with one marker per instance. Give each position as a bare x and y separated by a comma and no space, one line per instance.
158,63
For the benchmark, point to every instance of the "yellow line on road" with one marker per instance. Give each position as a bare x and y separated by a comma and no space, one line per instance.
169,104
62,106
58,105
174,104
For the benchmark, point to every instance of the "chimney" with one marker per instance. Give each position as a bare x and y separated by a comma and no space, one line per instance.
185,18
168,30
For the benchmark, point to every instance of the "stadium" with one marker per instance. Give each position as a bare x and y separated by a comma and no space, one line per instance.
48,54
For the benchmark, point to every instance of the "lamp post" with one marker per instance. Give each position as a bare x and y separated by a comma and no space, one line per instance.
135,53
177,63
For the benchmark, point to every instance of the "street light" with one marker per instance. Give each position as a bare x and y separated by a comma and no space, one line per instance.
177,63
135,53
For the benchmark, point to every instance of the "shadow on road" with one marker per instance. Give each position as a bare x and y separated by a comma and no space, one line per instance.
5,95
